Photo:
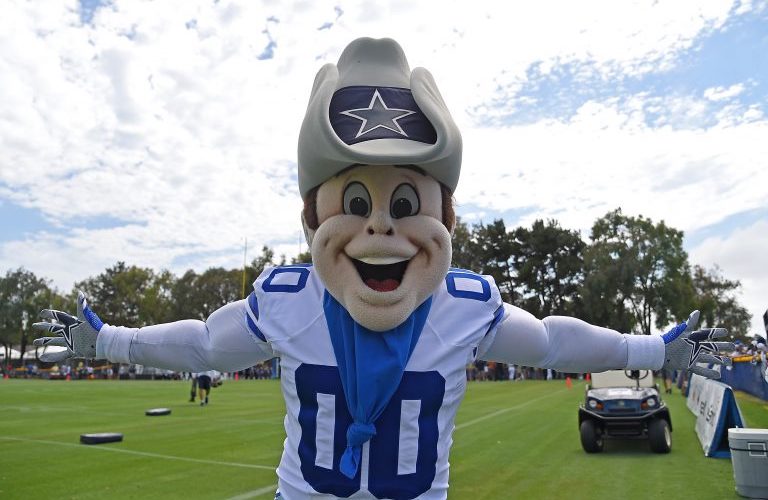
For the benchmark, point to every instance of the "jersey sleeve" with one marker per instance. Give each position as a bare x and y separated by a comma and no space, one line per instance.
223,342
285,301
466,307
568,344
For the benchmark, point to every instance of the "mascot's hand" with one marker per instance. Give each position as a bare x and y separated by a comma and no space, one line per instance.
77,334
685,347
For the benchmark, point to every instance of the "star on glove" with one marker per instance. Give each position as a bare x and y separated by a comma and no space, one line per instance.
77,334
684,348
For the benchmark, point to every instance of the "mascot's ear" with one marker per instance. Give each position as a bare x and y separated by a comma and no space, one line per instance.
309,234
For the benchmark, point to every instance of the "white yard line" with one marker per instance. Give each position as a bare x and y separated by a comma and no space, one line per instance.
141,453
505,410
256,493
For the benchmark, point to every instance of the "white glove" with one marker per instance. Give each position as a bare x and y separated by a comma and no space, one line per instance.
77,334
685,347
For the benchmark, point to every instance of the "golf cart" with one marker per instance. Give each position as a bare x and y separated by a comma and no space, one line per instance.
624,404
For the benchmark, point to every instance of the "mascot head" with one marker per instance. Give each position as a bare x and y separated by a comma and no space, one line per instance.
379,158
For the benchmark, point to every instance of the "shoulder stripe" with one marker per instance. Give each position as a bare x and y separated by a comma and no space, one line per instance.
496,318
253,303
254,329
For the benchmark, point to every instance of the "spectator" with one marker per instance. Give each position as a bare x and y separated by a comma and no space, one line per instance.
490,370
204,385
666,376
193,389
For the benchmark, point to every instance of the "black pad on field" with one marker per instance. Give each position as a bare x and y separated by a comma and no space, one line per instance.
156,412
101,437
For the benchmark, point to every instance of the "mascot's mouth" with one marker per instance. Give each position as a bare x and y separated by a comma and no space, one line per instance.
383,277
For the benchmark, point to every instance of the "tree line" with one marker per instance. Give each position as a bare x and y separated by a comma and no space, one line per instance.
632,275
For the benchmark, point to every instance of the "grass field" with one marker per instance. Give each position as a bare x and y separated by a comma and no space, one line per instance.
512,440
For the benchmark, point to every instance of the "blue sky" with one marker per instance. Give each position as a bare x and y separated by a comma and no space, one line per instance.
164,134
732,55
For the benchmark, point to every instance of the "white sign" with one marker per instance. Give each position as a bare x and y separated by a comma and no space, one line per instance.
716,411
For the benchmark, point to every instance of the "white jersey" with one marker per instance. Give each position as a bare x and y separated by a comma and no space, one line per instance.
408,457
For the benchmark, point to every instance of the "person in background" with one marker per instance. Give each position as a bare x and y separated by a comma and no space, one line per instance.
761,354
666,375
193,389
204,385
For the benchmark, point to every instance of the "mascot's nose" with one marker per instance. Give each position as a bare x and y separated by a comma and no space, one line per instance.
379,222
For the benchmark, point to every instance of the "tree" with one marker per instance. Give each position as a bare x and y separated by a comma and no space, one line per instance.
198,295
636,274
130,295
464,248
549,267
715,298
22,295
266,259
302,258
492,247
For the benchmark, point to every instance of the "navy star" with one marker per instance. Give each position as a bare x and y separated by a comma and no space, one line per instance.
69,323
698,347
67,333
377,114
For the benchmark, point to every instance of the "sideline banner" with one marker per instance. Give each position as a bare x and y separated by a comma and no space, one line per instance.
751,377
716,411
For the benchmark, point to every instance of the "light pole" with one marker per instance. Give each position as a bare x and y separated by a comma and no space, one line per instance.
245,253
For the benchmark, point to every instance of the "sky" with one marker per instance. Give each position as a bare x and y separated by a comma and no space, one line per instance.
163,134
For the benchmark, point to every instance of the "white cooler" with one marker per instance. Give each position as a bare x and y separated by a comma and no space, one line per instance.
749,455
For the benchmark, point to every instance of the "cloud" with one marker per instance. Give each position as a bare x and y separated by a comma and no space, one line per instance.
607,157
742,255
723,93
178,120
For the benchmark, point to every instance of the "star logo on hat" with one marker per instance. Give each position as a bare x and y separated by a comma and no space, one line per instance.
378,115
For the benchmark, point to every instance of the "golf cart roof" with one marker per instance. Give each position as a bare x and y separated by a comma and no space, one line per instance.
620,378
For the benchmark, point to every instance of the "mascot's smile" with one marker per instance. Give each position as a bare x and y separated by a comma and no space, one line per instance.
379,275
381,246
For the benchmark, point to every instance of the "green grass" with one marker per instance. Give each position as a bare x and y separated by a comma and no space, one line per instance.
512,440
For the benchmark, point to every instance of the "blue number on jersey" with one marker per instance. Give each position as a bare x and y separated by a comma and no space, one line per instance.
384,481
311,380
302,273
463,290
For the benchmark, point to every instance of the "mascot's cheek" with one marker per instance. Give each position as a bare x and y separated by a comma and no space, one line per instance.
334,268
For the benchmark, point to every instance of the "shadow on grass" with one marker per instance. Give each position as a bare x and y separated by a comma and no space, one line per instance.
622,448
628,447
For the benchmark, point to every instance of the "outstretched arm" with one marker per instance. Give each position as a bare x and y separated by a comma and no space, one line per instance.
223,342
571,345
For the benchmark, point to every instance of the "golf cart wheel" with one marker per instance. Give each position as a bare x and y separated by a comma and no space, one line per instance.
591,437
659,436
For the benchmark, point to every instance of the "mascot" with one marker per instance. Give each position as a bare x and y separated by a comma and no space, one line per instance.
374,336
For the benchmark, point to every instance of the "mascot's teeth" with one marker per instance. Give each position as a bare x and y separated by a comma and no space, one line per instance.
381,261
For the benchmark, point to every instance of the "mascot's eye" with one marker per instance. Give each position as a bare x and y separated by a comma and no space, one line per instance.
405,202
357,201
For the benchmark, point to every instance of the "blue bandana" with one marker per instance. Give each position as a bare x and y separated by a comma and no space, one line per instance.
371,365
